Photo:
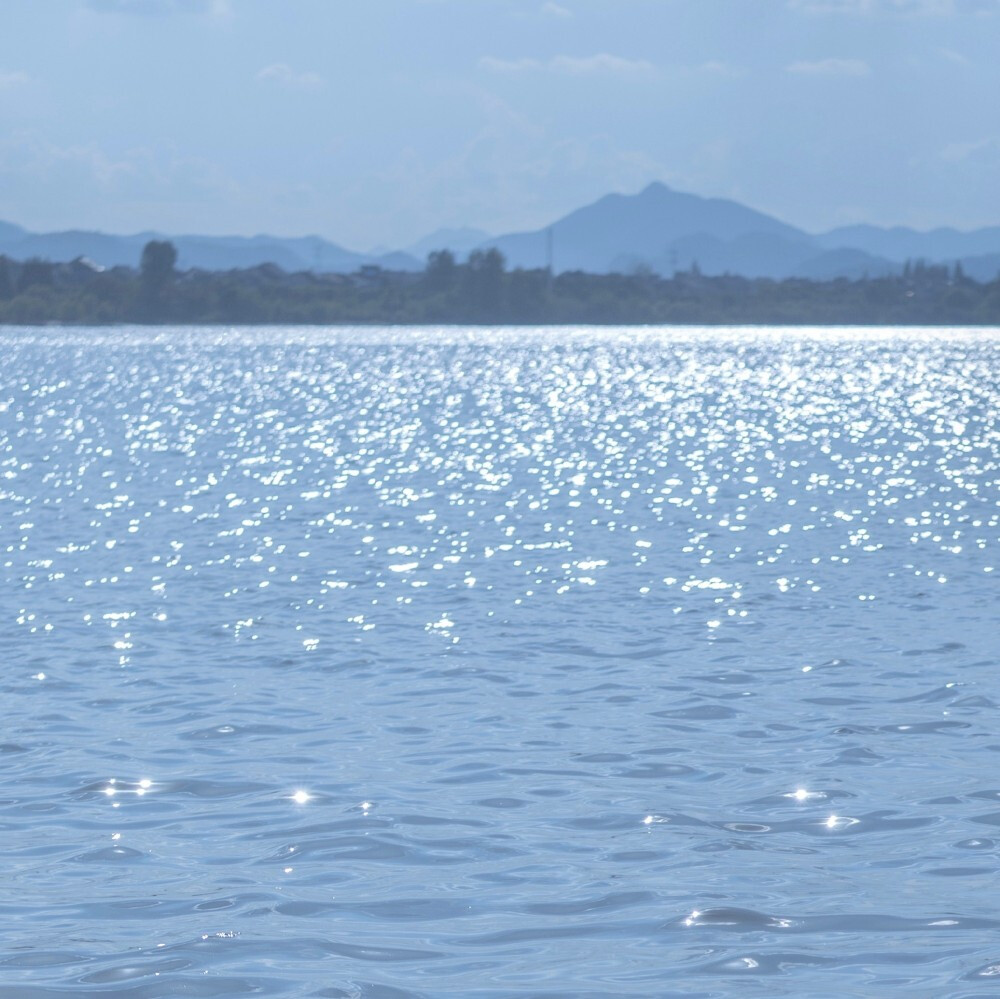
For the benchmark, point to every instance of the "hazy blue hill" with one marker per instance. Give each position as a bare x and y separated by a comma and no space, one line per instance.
460,241
658,229
9,233
295,254
900,243
109,251
985,267
204,252
399,261
753,254
844,262
644,228
217,255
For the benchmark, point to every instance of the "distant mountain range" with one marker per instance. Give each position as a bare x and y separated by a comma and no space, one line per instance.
667,231
214,253
659,229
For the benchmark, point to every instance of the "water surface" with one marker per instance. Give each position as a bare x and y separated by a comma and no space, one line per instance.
394,663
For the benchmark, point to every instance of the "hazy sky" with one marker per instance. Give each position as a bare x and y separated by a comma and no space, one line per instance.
374,121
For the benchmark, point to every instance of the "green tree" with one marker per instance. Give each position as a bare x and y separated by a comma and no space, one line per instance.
159,258
485,279
441,270
35,272
156,273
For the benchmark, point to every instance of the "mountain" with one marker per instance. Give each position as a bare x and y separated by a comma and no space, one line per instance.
109,251
398,260
205,252
665,230
10,232
657,229
985,267
901,244
845,262
461,242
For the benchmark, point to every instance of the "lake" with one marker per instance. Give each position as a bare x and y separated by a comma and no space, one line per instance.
395,663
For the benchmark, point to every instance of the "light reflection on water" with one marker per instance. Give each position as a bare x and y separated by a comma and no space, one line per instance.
384,662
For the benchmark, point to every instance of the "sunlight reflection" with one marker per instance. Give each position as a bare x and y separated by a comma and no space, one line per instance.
840,822
801,794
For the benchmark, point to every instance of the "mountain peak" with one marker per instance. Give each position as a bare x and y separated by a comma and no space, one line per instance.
460,241
10,231
663,229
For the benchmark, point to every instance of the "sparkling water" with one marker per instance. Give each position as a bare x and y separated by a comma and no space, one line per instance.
552,662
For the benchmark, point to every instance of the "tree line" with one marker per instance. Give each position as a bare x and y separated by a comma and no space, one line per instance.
480,290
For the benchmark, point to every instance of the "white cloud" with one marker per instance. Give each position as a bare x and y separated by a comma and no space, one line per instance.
563,65
86,185
716,68
601,63
511,175
214,8
922,8
551,9
830,67
509,66
283,75
956,57
982,150
9,79
836,6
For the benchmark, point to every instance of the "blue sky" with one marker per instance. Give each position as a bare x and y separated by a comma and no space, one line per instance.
372,122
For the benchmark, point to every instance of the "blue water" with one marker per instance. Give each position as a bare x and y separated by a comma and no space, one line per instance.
396,663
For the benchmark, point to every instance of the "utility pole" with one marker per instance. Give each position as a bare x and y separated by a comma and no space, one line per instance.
549,254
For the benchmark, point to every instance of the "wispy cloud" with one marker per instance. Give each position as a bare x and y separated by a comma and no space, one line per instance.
45,186
30,161
214,8
984,150
513,161
601,64
830,67
551,9
510,66
10,79
282,75
956,57
715,67
922,8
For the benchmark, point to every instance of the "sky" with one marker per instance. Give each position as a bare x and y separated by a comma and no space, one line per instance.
374,122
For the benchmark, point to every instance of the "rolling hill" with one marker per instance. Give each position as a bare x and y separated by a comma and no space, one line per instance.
658,229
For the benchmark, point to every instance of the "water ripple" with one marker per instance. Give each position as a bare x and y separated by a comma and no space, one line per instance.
391,664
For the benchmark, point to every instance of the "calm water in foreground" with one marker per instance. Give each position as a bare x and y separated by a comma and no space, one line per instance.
395,663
